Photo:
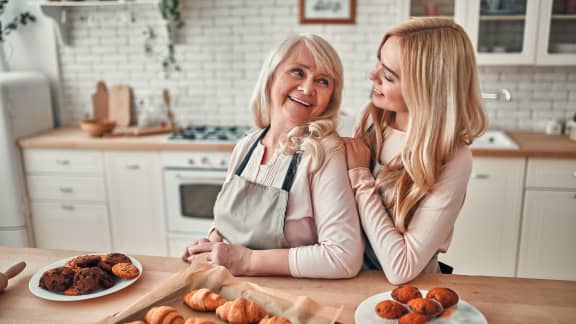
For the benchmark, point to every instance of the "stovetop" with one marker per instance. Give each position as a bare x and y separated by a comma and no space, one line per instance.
203,133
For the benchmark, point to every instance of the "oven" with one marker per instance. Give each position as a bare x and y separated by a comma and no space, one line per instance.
192,181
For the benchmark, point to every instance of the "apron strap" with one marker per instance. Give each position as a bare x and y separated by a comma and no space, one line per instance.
242,165
291,173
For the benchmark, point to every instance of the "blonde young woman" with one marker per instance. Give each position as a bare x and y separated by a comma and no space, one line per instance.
410,162
286,207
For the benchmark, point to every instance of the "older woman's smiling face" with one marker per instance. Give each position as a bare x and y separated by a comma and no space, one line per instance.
300,91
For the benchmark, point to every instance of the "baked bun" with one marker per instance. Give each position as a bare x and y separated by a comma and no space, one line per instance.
57,279
275,320
425,306
413,318
203,300
163,315
390,309
405,293
196,320
240,311
446,296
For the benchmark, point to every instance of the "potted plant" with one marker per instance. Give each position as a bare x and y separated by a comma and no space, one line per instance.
6,28
170,10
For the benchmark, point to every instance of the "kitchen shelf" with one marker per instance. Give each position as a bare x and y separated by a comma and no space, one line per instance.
57,10
502,18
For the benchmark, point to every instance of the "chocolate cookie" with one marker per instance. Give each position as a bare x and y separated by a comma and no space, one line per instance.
83,261
109,260
57,279
88,280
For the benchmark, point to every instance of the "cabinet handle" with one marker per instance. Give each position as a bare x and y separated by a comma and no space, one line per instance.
133,167
62,162
67,207
66,189
480,176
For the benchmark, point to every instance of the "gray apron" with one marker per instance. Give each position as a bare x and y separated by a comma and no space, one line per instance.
251,214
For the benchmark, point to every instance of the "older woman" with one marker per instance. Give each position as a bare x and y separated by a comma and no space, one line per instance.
286,207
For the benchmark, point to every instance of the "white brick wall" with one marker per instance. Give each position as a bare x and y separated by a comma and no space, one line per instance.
221,47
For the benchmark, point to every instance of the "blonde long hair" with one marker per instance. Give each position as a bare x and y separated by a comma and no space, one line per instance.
440,87
319,135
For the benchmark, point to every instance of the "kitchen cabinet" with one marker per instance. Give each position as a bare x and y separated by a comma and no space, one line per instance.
58,10
68,199
134,183
549,220
486,233
507,32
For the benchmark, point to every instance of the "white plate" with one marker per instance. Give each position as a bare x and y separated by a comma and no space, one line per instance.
45,294
464,313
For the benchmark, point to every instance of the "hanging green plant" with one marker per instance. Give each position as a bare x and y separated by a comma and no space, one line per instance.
20,20
170,10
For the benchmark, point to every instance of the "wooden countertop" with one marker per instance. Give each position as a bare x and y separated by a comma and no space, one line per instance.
501,300
531,144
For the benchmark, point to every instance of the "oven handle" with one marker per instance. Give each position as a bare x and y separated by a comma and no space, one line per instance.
179,176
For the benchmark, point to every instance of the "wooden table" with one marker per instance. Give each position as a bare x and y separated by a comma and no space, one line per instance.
501,300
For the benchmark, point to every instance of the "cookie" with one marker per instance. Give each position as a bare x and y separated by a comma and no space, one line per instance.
88,280
83,261
57,279
125,270
110,259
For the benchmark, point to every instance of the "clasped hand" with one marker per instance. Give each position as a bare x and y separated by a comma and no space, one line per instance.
235,258
357,153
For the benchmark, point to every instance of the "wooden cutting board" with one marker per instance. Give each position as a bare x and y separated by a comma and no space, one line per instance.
120,104
100,101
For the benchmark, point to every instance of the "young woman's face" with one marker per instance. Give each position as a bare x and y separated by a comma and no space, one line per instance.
386,76
299,90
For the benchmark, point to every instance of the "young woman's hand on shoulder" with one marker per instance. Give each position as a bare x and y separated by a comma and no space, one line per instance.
357,153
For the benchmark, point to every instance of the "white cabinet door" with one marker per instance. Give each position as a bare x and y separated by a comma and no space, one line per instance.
71,226
485,238
557,33
548,235
136,205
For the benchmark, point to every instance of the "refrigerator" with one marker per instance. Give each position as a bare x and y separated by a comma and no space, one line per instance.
25,110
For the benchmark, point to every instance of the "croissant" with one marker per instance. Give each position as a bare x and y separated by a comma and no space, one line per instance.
203,300
163,315
275,320
196,320
240,311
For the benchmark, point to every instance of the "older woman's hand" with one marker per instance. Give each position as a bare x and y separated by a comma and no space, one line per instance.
235,258
357,153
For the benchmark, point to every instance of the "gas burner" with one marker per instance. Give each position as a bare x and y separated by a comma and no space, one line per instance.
204,133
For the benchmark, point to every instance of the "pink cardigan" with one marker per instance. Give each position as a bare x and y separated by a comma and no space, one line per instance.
404,256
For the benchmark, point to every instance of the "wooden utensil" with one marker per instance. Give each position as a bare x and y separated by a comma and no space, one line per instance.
169,114
120,104
100,101
11,272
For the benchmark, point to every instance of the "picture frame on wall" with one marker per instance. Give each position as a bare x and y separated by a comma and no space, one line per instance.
327,11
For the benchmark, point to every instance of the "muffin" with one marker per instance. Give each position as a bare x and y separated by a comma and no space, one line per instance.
91,279
413,318
425,306
405,293
57,279
445,296
390,309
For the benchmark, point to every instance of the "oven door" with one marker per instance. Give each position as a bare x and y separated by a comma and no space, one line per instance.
190,197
